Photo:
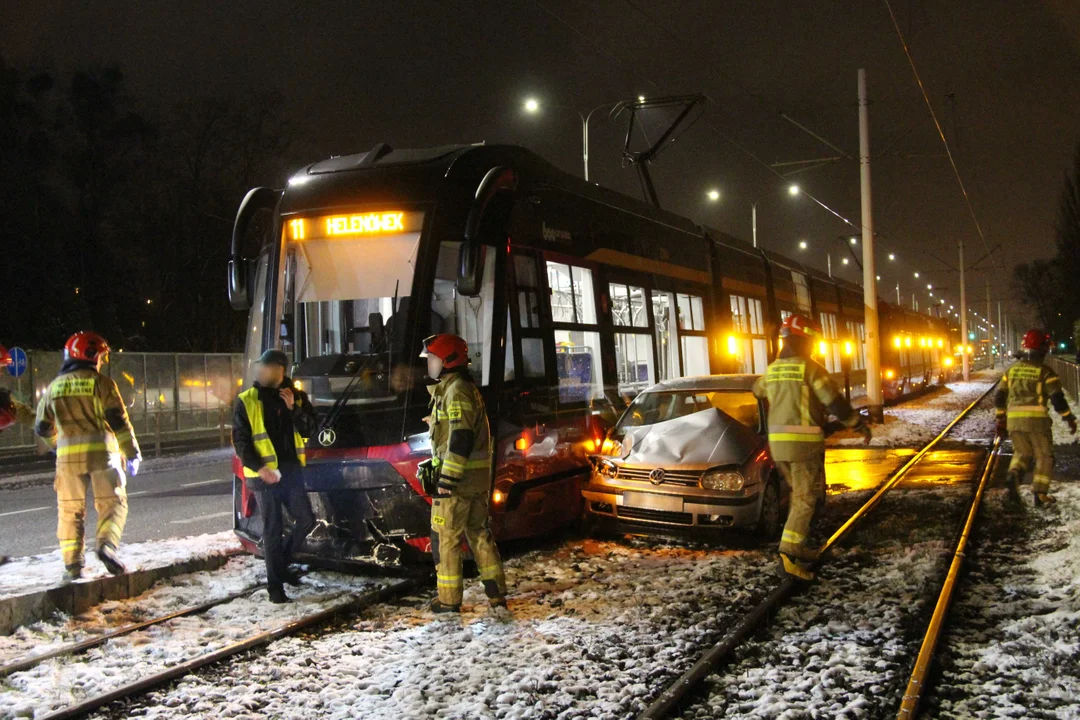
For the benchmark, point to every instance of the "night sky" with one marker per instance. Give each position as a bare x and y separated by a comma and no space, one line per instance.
414,74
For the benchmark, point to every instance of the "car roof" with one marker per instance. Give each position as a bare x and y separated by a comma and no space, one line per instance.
705,382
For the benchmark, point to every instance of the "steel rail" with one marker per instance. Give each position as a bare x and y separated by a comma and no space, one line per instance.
719,653
142,685
917,682
82,646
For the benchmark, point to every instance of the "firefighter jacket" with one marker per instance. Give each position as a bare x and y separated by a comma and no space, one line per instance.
83,415
460,436
1022,396
800,395
266,433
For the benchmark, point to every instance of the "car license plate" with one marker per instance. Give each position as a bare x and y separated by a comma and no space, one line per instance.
653,501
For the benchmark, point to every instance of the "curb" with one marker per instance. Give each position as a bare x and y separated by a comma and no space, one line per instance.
19,610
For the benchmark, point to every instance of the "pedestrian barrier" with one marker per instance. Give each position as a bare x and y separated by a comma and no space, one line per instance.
1069,372
171,397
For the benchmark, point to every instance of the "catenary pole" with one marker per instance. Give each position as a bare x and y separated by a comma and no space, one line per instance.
875,400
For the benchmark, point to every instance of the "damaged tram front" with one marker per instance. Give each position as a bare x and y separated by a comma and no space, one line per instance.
361,257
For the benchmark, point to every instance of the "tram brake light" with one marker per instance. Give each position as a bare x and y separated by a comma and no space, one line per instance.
732,345
823,348
907,341
940,343
849,349
889,374
897,342
948,362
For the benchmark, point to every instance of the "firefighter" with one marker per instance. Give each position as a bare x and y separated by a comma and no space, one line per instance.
458,476
270,421
1022,415
83,415
801,395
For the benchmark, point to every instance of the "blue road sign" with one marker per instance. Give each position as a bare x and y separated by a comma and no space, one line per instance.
18,361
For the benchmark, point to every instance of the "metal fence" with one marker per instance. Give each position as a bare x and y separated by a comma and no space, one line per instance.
167,394
1069,372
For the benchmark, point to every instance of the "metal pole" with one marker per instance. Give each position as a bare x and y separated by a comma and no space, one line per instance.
898,294
1001,336
753,220
874,398
585,144
963,316
989,334
828,257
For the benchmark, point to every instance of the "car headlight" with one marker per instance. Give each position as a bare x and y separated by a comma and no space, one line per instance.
729,480
606,468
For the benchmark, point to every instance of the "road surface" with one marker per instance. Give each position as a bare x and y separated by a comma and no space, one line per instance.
162,504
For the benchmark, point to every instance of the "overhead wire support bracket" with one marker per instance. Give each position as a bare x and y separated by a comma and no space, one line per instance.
641,159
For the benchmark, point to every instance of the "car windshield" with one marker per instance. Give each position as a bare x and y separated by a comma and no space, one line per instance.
653,407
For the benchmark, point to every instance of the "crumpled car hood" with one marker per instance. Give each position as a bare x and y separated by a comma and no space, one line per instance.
702,439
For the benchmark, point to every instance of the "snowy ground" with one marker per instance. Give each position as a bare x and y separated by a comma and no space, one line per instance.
917,420
1013,645
594,627
35,573
60,682
194,459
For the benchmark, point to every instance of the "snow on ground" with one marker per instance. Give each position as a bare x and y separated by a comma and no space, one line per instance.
60,682
1012,649
844,647
917,420
35,573
594,628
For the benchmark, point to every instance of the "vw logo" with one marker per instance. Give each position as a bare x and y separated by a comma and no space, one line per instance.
327,437
656,476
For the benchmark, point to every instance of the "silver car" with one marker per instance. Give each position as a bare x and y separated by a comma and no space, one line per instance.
688,455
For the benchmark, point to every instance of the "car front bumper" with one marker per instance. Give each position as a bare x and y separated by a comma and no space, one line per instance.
640,505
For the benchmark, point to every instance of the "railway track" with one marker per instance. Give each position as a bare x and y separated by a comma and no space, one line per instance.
134,689
673,696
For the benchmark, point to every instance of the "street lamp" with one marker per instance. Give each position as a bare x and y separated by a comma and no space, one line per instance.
892,256
714,195
793,190
532,106
916,274
802,245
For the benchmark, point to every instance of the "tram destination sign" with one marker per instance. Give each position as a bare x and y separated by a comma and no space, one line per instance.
354,224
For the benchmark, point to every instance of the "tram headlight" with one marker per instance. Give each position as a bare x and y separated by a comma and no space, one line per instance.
732,345
718,479
889,374
948,362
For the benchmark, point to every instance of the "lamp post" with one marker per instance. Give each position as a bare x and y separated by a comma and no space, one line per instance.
533,106
714,196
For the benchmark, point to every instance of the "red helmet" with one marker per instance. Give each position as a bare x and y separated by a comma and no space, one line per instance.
5,357
1036,340
451,349
85,345
799,325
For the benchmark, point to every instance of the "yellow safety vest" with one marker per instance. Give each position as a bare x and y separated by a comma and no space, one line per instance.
797,390
1030,386
259,436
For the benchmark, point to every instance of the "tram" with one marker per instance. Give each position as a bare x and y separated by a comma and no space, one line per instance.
572,298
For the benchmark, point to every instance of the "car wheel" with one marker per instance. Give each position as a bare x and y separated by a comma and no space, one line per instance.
771,519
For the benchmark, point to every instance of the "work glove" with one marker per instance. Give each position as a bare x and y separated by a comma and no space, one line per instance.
428,476
1072,425
133,466
1002,431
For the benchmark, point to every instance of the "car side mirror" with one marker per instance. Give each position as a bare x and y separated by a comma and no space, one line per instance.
486,225
241,280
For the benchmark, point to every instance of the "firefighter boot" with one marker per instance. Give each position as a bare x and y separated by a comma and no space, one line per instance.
71,573
1042,498
107,555
1012,480
795,568
278,596
440,608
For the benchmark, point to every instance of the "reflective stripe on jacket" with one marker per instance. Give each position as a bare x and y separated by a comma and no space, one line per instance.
1026,388
799,391
460,436
83,414
260,438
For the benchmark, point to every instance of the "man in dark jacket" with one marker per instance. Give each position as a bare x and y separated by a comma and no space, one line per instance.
270,422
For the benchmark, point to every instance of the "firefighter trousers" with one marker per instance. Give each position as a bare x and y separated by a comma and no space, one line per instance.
1040,445
806,478
464,513
110,501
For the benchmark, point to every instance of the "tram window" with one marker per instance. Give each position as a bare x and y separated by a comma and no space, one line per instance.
691,312
634,362
802,292
667,335
528,287
572,298
739,319
695,352
577,359
628,306
469,317
532,357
